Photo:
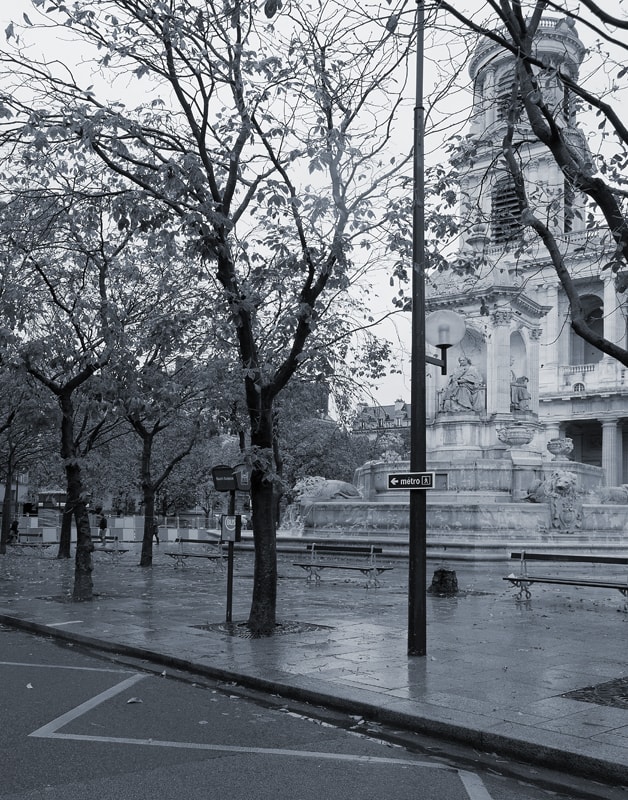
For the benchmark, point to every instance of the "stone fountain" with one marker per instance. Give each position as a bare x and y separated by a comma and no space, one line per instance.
480,509
499,486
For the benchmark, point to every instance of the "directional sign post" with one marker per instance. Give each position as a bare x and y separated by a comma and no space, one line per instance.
228,479
411,480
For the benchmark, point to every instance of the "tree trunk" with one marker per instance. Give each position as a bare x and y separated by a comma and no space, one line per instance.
83,564
262,619
83,586
6,507
148,495
65,538
264,600
146,558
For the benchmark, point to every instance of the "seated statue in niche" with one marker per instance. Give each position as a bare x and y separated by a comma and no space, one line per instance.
463,390
519,395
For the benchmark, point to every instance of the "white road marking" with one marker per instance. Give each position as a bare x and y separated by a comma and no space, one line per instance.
59,624
51,728
61,666
224,748
474,785
471,782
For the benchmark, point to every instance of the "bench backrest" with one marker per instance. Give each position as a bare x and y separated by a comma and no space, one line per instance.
197,541
344,550
213,545
570,557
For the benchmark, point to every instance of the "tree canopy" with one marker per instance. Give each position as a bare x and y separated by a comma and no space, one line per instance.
257,144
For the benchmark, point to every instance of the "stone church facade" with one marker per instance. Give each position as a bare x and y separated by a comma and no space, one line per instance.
524,321
524,366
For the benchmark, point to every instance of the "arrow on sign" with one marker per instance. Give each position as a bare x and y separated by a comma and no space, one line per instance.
411,480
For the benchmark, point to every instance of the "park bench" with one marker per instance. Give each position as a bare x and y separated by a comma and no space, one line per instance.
33,539
524,579
361,558
114,550
213,551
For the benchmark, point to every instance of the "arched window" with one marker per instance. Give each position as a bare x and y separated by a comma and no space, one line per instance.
578,387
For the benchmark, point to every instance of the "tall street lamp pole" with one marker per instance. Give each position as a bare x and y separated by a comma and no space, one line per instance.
443,329
417,633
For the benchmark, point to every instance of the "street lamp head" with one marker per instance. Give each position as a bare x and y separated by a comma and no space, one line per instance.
444,328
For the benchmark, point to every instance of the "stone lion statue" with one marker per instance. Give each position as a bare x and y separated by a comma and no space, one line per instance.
615,495
314,489
558,483
560,490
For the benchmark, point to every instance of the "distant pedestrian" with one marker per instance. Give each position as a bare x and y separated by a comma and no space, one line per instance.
14,534
102,528
156,530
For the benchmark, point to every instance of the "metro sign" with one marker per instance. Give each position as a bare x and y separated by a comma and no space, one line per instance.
411,480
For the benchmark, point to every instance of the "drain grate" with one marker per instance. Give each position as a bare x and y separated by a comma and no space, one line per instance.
611,693
242,630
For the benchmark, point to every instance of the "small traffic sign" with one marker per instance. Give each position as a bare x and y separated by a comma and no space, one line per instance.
411,480
242,475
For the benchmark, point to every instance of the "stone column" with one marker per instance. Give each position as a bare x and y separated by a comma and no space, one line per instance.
550,350
431,390
553,327
534,368
498,365
611,451
488,98
565,340
613,318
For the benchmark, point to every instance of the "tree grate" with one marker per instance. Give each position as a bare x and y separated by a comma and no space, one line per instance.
241,629
611,693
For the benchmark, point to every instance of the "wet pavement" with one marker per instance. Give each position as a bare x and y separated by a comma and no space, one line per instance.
495,677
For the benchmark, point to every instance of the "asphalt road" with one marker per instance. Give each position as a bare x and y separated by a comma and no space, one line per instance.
76,726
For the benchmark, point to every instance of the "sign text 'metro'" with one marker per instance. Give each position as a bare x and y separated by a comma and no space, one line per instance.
411,480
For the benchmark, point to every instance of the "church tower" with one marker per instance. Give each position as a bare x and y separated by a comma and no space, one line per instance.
529,374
